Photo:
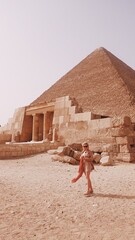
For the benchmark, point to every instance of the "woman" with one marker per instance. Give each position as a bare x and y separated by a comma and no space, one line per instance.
86,166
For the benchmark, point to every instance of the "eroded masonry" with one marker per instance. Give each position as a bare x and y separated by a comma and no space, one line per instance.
94,102
60,121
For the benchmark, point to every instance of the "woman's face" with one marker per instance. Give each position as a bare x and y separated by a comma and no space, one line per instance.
85,147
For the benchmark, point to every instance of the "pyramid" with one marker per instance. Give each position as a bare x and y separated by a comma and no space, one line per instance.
100,83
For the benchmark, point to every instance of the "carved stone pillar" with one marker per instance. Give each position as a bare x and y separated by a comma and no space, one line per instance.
44,128
35,129
47,125
55,135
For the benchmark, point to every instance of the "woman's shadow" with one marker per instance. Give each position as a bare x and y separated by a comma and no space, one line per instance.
113,196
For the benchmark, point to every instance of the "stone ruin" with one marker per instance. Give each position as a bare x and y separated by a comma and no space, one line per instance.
93,102
113,136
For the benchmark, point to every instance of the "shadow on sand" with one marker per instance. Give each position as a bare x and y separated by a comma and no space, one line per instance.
113,196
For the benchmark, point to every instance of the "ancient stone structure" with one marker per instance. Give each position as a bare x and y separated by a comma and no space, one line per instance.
95,101
101,84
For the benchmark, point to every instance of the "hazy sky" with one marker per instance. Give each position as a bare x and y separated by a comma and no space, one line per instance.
41,40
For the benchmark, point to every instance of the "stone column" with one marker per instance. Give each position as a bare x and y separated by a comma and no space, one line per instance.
35,128
44,129
40,124
55,135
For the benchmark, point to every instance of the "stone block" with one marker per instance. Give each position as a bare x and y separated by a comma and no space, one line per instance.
125,157
5,138
86,116
106,161
71,125
121,132
56,113
111,148
95,124
96,157
66,119
95,116
105,123
104,154
55,120
125,148
59,103
61,119
81,125
2,154
77,155
121,121
64,159
72,110
76,146
62,112
125,140
132,148
67,104
66,111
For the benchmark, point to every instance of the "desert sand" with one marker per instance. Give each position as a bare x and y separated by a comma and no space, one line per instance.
39,202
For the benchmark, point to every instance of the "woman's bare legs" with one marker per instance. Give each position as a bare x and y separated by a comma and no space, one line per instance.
89,184
80,171
78,176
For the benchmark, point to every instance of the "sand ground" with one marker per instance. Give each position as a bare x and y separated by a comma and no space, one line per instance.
39,202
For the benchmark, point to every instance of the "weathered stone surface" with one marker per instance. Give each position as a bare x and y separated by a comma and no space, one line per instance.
76,146
125,140
5,138
104,154
96,157
106,161
15,150
121,132
68,109
101,70
63,151
110,148
68,151
126,157
64,159
52,151
125,148
121,121
77,155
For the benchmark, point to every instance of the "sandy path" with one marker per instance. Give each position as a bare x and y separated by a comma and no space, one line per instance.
38,201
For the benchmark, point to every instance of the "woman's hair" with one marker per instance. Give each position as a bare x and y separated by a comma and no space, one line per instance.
85,144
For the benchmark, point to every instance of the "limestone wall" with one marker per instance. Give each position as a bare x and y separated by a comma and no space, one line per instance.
113,135
11,151
95,131
14,125
74,126
5,138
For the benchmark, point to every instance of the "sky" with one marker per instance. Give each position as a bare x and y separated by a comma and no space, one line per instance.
41,40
